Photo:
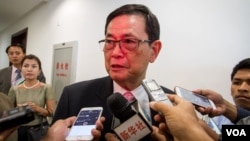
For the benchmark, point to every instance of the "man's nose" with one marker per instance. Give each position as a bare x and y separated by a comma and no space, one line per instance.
117,48
244,86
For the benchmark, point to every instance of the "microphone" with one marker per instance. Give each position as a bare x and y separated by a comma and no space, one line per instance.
133,125
120,107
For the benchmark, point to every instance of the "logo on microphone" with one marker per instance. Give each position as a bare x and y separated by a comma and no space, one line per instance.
135,128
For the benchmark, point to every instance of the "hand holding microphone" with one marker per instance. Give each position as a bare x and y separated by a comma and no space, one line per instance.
133,125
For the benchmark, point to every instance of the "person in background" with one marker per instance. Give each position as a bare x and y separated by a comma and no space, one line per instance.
10,76
131,43
38,95
240,89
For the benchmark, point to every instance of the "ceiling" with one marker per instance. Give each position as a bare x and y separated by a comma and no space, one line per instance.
12,10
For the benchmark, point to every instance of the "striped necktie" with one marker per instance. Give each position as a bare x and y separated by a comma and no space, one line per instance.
18,76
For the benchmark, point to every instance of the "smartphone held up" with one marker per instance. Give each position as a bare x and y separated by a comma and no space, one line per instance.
194,98
85,122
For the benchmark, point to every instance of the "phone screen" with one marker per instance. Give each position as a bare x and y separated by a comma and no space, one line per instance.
192,97
85,122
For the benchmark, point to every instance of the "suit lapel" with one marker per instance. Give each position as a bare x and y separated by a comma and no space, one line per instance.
8,77
105,89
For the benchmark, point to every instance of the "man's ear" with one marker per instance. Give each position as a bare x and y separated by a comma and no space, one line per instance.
155,50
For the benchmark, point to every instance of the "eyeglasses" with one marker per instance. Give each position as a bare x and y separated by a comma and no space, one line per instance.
124,44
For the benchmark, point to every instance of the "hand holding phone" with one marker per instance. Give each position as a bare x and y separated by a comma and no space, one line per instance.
194,98
85,122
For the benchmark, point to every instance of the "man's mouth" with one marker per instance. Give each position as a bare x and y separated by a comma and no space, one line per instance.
242,97
116,66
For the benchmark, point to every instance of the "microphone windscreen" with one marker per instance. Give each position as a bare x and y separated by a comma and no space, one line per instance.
120,106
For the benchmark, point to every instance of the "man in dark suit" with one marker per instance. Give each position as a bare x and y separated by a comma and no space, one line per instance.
131,43
15,54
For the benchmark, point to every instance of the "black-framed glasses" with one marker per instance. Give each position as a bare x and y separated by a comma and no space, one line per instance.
124,44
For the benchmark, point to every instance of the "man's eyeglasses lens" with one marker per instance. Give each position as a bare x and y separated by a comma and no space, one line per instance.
127,44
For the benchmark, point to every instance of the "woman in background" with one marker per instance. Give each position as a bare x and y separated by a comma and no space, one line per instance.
38,95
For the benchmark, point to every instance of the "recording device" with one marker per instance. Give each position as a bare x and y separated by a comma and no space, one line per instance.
16,116
133,124
155,91
85,122
194,98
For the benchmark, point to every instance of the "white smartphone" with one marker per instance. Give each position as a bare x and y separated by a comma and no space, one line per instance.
85,122
194,98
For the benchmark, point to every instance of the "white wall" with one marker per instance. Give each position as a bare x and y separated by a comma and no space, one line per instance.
202,39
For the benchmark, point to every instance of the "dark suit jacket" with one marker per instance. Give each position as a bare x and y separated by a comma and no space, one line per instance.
90,93
5,79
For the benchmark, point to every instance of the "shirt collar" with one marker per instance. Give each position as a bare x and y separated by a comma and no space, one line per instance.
139,92
13,68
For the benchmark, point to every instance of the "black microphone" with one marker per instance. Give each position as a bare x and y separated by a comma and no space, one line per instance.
133,124
120,107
